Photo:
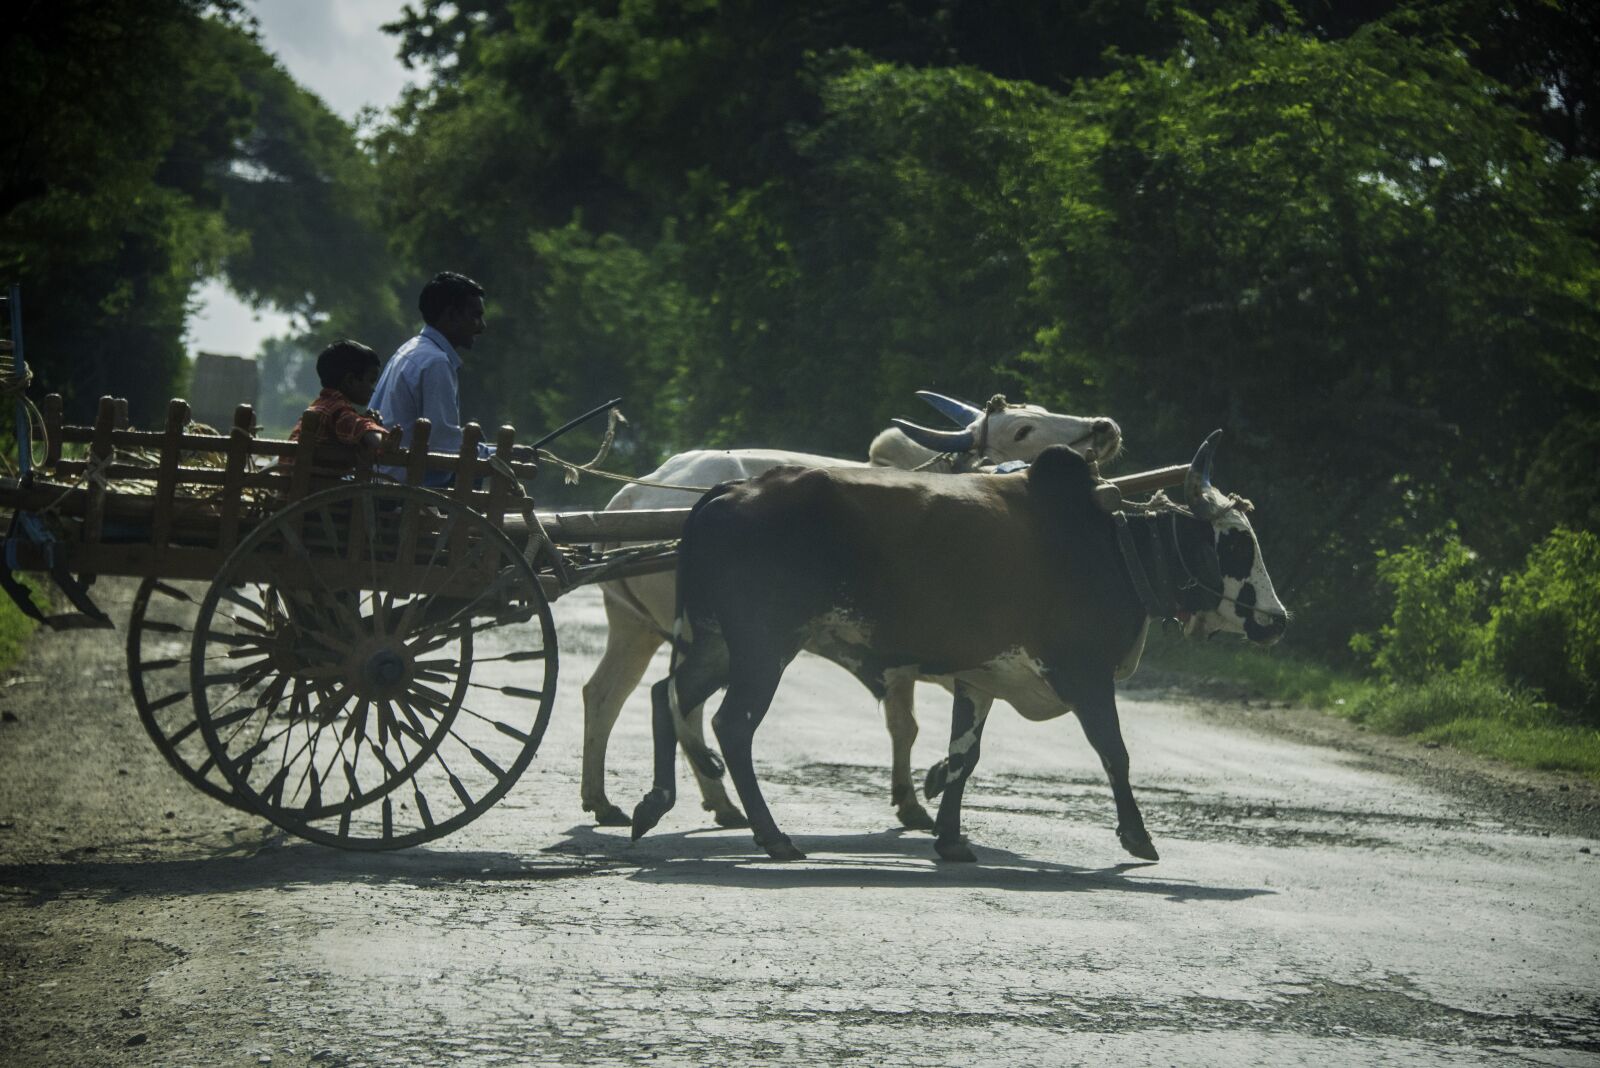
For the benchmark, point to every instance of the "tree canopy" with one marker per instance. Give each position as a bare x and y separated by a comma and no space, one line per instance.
1360,238
145,147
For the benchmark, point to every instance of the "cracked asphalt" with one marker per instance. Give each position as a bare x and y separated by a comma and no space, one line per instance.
1324,897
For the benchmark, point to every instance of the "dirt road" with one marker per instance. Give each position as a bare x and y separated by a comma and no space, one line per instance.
1323,897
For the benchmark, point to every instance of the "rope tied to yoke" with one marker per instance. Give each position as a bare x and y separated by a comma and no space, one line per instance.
572,472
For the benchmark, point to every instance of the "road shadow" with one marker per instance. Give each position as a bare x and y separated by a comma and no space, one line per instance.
889,860
276,863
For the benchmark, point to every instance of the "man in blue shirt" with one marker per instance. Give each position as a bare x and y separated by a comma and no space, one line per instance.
421,380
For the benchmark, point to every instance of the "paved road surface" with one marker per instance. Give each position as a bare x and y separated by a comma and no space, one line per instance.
1365,902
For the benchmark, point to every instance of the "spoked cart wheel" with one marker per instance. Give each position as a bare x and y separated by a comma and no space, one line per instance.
160,637
374,666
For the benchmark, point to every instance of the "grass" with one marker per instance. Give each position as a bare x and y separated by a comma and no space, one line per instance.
1468,711
15,630
1277,673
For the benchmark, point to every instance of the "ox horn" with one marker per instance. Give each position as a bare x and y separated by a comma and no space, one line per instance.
958,412
1198,480
937,440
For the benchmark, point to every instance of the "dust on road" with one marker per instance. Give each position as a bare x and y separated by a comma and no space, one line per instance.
1322,898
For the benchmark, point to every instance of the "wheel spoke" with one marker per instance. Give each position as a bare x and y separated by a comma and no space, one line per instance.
511,691
404,627
170,699
308,748
503,727
495,587
477,628
516,658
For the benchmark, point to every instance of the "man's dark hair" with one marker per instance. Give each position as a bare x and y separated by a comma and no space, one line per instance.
444,291
344,357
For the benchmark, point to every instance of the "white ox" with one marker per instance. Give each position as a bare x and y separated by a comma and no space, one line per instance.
640,611
993,434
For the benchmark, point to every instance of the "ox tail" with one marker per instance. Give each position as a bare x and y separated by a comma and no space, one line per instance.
708,762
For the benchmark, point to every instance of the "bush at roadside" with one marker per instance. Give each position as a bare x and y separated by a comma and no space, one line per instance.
1545,631
1448,647
1439,594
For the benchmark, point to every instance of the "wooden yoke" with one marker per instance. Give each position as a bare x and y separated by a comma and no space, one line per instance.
1143,481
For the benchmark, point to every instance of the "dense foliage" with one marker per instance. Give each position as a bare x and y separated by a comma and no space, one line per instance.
1361,239
1538,632
145,146
1365,246
1545,630
1438,593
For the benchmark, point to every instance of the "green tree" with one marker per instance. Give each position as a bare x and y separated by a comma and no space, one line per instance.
1354,256
1355,238
145,147
108,122
730,125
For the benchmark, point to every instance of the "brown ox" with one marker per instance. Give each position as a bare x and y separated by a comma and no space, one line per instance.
1014,587
640,610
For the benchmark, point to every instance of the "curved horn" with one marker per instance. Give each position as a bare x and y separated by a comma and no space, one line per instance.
1198,480
937,440
958,412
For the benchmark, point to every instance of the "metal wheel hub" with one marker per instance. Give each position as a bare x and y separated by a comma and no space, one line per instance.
380,669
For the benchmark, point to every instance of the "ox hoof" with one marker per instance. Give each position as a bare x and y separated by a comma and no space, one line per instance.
913,816
648,812
730,817
1138,843
608,815
955,849
938,778
779,847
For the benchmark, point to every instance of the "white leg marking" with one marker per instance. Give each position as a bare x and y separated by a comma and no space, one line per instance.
629,645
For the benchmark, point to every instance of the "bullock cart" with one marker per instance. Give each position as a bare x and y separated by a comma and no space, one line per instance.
320,635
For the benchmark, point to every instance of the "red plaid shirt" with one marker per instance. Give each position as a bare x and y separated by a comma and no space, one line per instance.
340,420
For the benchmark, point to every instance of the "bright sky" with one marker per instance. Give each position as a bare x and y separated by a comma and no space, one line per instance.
335,49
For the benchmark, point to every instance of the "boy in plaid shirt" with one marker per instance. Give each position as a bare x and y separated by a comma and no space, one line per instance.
349,373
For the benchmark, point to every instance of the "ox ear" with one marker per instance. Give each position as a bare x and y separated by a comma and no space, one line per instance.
1061,475
958,412
937,440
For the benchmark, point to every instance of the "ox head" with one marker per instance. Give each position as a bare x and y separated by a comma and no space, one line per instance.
1001,432
1225,586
